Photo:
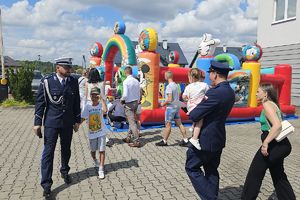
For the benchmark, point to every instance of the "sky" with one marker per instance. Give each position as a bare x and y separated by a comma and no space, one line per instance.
58,28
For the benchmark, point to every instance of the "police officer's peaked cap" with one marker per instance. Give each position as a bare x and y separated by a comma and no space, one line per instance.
95,90
64,61
220,67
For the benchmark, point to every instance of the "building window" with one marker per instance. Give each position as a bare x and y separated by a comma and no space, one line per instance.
284,10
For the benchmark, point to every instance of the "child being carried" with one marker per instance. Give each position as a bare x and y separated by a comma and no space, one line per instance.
193,94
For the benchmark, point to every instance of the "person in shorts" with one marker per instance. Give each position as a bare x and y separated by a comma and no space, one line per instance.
93,113
172,104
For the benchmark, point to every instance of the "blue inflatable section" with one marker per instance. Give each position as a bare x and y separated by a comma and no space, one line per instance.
101,70
121,27
204,64
269,70
236,61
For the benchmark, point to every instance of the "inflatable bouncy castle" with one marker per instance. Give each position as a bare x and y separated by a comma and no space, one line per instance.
248,79
244,79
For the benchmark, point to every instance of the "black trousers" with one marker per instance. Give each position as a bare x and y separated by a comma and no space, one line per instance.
115,118
274,162
50,139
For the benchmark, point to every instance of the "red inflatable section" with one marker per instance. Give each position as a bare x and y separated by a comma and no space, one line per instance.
109,63
180,75
157,115
284,90
281,79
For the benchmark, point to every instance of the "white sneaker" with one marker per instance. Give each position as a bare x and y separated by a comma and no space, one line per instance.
191,129
107,139
96,163
195,143
101,174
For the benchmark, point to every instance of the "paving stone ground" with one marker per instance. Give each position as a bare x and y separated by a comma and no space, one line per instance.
149,172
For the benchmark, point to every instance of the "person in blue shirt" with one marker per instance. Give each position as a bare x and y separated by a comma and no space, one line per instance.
214,110
58,109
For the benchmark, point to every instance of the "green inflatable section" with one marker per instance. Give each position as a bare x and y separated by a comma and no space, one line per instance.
225,58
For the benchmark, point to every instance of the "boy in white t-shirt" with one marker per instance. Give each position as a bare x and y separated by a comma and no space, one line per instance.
93,113
193,94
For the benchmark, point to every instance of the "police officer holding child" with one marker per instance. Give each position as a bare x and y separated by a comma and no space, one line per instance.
214,110
58,109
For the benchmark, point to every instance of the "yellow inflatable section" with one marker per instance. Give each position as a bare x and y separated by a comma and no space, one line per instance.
254,67
173,65
148,40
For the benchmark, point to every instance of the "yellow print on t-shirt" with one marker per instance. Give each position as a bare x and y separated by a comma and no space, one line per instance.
94,122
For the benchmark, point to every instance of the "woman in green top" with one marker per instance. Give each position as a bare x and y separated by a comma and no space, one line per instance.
271,154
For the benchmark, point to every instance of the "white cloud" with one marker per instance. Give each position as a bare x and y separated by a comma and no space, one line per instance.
31,43
252,9
45,12
54,28
222,18
133,30
145,10
18,14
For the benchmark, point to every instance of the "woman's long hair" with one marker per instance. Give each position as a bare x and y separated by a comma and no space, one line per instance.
94,76
271,93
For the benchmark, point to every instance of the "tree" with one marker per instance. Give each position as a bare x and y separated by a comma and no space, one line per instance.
20,83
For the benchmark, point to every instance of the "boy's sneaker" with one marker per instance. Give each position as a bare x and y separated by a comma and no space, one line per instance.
101,174
161,143
96,162
195,143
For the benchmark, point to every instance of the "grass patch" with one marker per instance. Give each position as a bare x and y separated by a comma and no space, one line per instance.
13,103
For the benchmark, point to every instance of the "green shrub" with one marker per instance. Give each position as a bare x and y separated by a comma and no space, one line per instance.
20,83
12,102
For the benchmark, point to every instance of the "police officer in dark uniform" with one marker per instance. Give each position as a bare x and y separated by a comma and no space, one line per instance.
213,110
58,108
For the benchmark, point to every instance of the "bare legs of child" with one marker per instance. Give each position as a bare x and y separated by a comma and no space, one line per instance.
96,162
101,166
196,132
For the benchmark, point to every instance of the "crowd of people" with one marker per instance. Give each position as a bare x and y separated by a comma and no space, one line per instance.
63,103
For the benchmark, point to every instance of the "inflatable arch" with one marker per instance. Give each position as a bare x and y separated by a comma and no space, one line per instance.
119,42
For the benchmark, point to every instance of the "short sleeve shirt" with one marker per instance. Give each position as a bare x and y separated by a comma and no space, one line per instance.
172,88
195,93
94,115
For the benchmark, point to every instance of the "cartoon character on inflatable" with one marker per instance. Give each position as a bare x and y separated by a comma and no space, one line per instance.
252,53
206,50
96,53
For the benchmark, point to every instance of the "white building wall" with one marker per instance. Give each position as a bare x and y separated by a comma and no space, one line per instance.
271,34
280,43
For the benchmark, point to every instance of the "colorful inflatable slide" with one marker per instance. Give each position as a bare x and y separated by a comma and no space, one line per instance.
244,79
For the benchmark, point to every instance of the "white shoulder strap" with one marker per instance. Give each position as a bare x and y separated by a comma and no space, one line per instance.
46,86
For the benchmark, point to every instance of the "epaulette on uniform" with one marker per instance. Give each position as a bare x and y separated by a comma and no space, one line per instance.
47,77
